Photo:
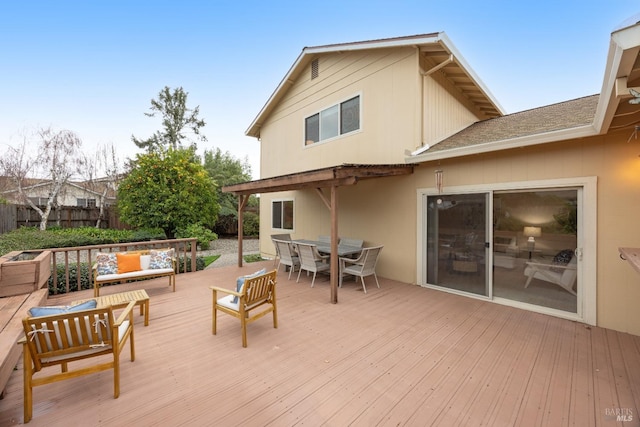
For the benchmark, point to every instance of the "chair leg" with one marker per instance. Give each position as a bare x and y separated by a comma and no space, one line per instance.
376,277
526,285
364,288
243,321
132,346
298,279
116,376
214,320
28,388
314,279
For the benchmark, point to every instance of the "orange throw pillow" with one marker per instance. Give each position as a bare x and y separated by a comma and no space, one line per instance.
128,263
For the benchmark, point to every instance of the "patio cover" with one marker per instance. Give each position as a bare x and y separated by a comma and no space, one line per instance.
320,179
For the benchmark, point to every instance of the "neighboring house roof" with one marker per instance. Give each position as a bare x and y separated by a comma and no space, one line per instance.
438,52
83,187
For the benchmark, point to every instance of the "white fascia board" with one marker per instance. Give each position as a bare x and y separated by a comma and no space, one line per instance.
284,82
506,144
622,41
376,44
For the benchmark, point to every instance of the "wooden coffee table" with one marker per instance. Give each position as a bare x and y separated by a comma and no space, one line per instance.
123,299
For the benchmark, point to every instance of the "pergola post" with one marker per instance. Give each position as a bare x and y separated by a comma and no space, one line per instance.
242,202
335,267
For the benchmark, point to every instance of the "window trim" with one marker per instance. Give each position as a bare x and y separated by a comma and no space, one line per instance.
325,108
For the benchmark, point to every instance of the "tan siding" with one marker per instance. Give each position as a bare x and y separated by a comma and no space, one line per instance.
445,112
385,80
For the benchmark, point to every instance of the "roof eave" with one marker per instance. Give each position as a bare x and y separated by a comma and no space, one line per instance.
623,51
506,144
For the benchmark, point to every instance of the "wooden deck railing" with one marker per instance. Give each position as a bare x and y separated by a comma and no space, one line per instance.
86,254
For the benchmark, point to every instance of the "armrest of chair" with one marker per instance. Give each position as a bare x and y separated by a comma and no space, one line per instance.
225,290
549,266
127,312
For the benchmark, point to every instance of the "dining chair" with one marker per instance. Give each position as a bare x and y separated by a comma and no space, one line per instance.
274,237
312,261
358,243
288,257
363,266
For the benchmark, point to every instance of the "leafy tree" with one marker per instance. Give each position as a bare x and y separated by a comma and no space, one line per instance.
177,119
56,159
168,189
227,170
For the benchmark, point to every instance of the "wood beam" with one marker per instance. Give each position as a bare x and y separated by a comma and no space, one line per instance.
335,270
242,202
324,199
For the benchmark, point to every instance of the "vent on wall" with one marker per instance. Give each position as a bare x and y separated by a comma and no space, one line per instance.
315,69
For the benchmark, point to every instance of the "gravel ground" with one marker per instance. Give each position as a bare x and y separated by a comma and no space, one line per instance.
228,251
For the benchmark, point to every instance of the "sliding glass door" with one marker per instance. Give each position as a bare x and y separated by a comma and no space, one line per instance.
518,245
535,236
456,248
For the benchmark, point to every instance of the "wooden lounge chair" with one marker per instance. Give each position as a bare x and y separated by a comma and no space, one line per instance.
255,294
60,339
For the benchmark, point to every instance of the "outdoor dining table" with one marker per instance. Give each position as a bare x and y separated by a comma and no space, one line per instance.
325,247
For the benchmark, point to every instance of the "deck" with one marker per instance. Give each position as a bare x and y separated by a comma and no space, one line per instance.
399,355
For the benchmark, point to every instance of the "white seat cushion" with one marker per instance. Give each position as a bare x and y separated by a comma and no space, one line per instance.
133,274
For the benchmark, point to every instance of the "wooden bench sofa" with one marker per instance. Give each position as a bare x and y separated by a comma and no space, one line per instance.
118,267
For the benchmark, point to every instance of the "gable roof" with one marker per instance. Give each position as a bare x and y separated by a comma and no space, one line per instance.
438,54
582,117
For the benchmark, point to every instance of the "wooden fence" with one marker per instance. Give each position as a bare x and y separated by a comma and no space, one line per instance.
15,216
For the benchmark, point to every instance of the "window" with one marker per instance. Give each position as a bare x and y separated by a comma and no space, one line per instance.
282,214
38,201
86,203
331,122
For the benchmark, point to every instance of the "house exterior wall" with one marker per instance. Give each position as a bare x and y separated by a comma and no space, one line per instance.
445,111
387,82
402,110
384,211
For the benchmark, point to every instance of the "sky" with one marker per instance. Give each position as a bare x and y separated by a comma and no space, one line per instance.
93,67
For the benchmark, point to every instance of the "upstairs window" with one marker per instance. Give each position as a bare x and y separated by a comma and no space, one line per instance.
331,122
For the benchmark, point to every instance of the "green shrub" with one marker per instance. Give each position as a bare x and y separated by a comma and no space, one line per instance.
253,258
26,238
200,264
200,232
251,224
61,287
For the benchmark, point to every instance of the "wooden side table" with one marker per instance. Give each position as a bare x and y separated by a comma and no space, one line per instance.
122,299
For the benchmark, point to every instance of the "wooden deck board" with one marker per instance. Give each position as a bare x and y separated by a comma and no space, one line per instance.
399,355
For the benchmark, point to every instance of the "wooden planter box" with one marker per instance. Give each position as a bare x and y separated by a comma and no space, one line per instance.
23,272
